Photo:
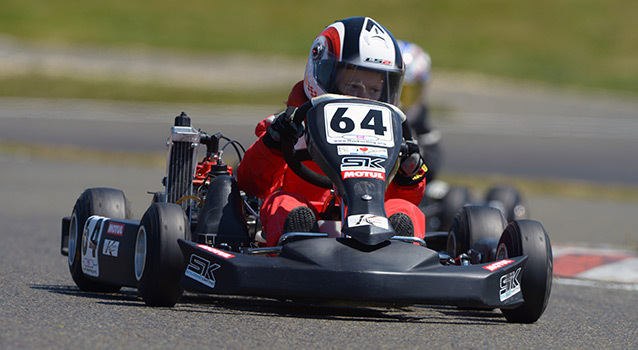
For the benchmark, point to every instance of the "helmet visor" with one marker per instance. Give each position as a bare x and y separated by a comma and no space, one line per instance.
350,79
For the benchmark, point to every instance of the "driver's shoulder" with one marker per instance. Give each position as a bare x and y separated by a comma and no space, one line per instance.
262,126
297,95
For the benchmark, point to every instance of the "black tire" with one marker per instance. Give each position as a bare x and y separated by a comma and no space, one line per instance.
107,202
158,258
509,200
528,237
451,204
476,227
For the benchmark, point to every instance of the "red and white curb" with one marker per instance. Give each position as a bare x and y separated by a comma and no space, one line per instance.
596,266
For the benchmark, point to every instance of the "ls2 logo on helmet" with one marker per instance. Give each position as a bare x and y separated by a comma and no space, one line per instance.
379,60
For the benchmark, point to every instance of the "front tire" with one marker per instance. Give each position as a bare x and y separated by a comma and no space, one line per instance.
528,237
476,227
158,258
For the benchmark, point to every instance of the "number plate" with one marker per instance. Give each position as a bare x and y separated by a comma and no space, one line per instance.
358,124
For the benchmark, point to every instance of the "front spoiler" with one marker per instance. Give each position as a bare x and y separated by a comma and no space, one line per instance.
329,269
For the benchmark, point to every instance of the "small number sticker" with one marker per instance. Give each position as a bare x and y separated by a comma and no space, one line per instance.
90,240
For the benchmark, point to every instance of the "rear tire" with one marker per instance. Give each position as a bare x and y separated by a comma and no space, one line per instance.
453,201
510,201
476,227
107,202
528,237
158,258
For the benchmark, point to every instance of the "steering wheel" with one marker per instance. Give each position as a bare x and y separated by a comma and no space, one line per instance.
294,158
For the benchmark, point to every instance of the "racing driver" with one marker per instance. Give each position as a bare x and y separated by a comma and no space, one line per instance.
355,56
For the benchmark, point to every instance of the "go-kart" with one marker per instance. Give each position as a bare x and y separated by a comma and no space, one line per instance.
202,232
442,201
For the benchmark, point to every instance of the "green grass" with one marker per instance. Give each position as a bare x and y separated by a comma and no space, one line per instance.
585,43
35,85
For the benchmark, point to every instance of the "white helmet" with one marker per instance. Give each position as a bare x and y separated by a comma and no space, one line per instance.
349,48
417,72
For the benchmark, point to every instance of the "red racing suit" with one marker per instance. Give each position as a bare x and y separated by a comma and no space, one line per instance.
263,172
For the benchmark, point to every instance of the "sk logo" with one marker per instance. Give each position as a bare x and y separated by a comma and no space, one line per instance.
510,285
201,270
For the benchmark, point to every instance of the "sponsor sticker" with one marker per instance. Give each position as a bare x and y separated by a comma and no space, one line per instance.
111,248
368,220
218,252
201,270
497,265
510,285
362,163
115,229
362,151
363,174
378,60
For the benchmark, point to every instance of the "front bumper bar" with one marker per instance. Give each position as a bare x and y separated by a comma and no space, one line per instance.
329,269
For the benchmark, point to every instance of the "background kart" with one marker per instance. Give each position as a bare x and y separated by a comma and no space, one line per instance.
442,201
202,232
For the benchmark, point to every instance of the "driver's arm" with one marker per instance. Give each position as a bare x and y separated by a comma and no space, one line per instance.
409,182
262,169
412,194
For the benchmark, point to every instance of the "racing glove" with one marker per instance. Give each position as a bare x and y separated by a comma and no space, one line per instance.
412,168
283,128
